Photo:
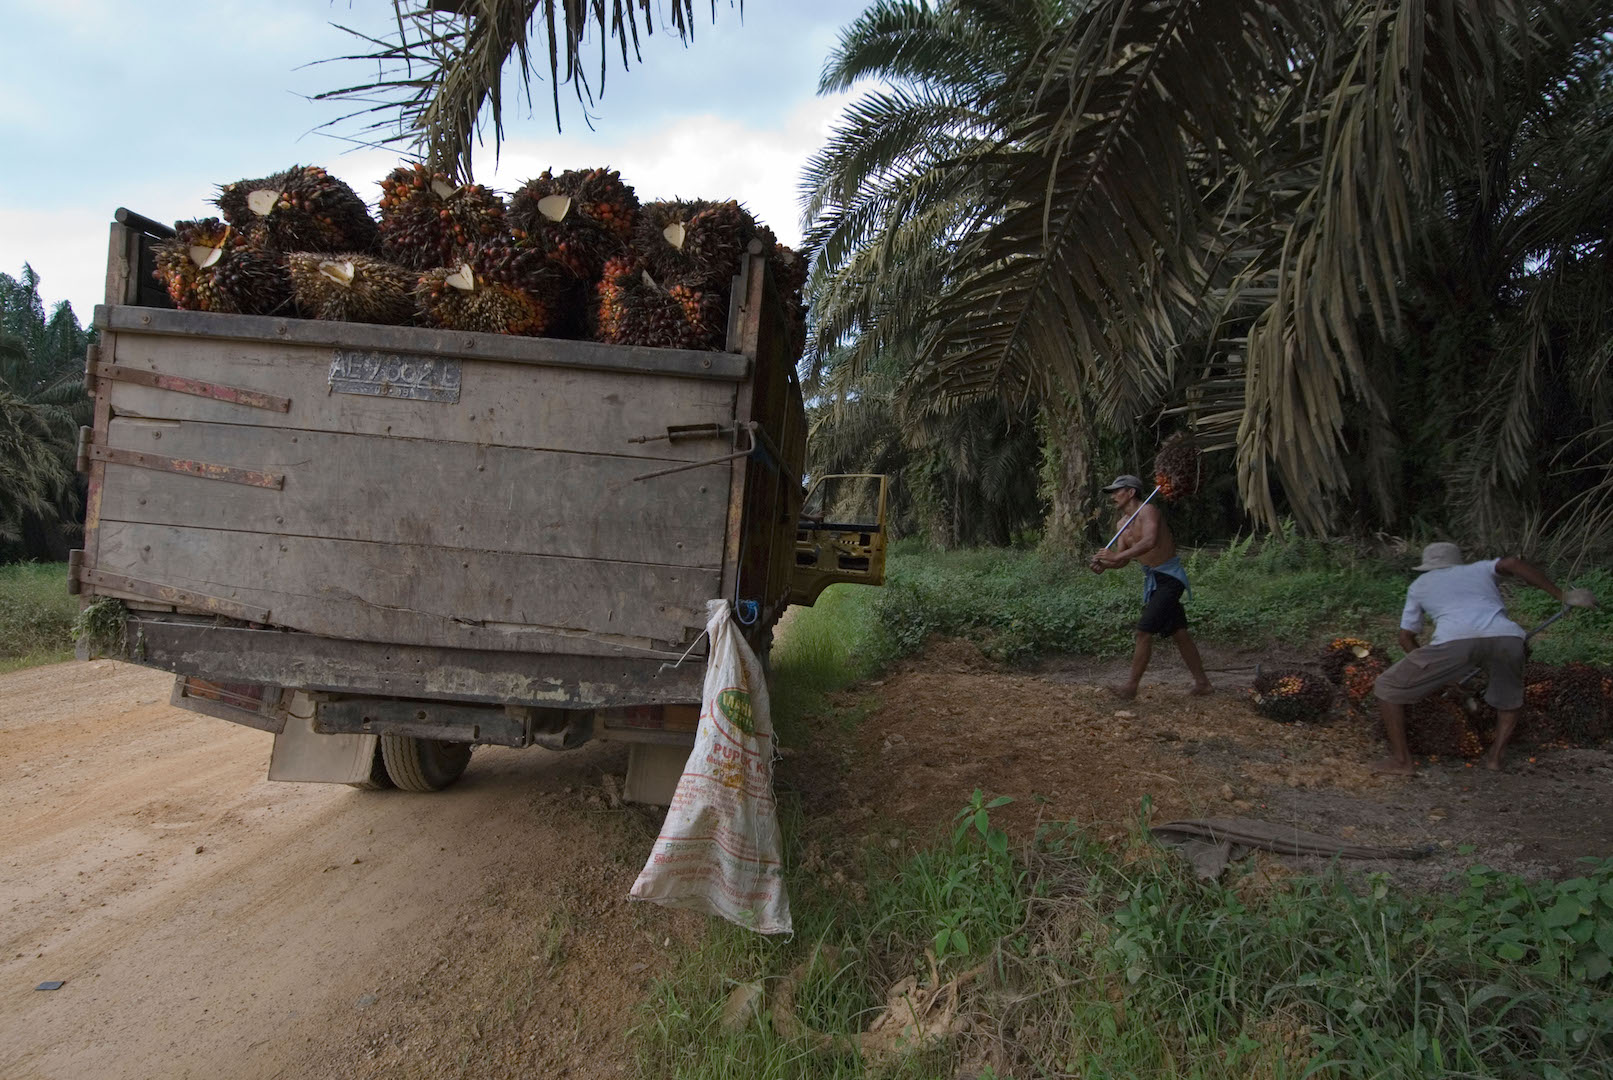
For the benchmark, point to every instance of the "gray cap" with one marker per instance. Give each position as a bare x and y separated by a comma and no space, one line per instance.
1126,480
1439,556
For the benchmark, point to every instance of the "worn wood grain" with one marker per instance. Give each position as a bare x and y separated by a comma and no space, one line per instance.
421,595
499,404
410,491
228,654
548,352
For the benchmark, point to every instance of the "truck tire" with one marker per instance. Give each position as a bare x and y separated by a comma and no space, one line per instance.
380,779
423,764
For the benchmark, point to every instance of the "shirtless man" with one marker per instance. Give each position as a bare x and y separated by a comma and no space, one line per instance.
1148,540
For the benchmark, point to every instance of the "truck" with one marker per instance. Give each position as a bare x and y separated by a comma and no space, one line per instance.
389,545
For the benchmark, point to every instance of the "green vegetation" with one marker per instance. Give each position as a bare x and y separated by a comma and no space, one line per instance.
1071,957
42,405
1286,589
36,615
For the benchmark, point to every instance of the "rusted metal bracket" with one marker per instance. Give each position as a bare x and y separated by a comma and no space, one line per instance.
746,430
168,594
676,433
235,395
205,470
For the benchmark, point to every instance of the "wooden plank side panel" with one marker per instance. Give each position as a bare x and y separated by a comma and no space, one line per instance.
422,595
500,404
410,491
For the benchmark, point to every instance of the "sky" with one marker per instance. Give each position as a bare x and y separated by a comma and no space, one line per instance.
151,105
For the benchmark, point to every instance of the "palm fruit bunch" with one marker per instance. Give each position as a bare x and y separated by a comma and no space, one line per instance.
1176,466
635,309
697,240
207,266
1577,707
458,298
1358,678
302,209
352,288
1290,695
1439,726
426,217
1340,653
580,218
790,275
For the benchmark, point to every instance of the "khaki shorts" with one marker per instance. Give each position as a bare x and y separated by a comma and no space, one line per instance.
1425,670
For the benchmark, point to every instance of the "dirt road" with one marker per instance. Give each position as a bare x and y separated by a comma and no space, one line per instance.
208,923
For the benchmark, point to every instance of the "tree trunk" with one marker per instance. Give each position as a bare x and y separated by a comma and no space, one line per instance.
1068,482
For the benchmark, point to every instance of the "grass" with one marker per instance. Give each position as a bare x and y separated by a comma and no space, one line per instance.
1114,961
1291,590
36,615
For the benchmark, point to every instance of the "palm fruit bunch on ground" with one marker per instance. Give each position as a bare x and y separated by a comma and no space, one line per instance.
635,309
302,209
1439,726
1359,677
207,266
1176,466
459,298
579,219
352,288
426,217
1290,695
1575,708
1340,653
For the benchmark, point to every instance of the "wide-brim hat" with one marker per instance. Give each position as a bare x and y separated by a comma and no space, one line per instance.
1439,556
1125,481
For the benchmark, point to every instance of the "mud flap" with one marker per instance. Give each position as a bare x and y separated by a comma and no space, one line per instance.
653,771
303,754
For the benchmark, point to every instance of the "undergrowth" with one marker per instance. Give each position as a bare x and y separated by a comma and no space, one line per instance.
1018,605
36,615
1072,958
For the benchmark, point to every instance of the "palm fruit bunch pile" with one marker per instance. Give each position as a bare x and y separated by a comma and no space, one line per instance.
1291,695
1340,653
426,218
302,209
1439,726
1176,466
580,219
351,288
207,266
635,309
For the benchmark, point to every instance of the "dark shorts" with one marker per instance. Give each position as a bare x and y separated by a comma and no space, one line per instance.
1164,614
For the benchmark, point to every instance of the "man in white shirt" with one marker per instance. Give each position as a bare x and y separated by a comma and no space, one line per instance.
1471,630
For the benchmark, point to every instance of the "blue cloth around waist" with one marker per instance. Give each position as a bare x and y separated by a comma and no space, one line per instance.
1171,567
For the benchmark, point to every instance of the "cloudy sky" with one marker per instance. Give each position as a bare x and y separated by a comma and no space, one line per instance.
151,105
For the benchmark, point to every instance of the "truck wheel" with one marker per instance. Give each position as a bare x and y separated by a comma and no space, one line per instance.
423,764
380,779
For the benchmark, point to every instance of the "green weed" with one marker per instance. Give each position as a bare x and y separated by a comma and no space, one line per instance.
36,615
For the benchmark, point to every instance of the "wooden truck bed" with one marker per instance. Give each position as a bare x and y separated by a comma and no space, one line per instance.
430,514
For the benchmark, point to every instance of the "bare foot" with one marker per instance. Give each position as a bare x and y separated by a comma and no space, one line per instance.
1125,691
1201,689
1394,767
1492,763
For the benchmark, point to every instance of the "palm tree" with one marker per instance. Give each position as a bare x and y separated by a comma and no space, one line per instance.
42,405
1214,208
445,65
